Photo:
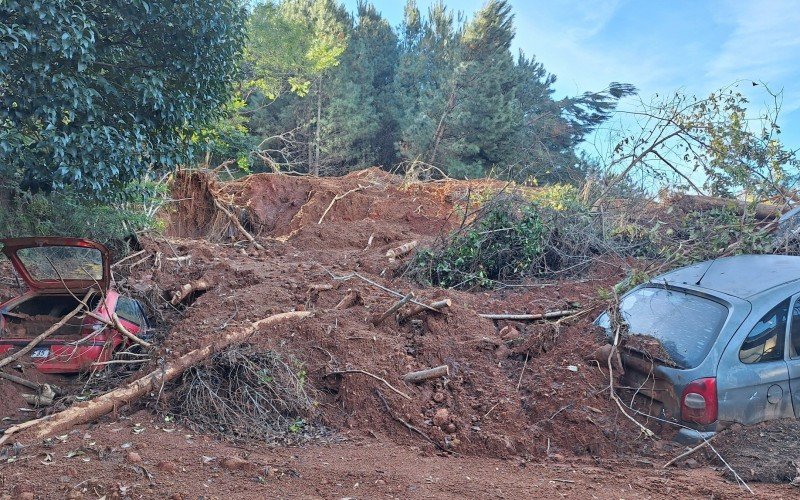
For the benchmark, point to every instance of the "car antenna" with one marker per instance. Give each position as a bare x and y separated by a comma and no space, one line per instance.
705,272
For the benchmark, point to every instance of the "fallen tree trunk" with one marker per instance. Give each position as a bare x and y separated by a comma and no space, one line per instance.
92,410
19,380
179,296
530,317
423,375
378,319
403,249
350,299
761,211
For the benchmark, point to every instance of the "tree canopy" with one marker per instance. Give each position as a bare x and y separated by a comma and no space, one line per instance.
94,93
439,90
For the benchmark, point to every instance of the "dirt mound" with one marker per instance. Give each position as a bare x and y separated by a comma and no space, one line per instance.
519,395
521,391
768,452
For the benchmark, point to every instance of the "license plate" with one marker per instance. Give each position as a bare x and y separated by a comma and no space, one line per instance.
40,352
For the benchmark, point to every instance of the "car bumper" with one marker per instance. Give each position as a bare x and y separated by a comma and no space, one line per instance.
693,436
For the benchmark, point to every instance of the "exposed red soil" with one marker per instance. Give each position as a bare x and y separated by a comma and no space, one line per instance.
521,413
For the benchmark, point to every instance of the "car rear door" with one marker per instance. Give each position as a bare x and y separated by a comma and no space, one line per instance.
793,354
753,376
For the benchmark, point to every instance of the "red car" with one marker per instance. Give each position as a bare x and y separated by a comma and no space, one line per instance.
59,272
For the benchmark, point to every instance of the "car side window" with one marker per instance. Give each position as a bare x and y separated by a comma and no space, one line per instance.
765,341
128,310
794,329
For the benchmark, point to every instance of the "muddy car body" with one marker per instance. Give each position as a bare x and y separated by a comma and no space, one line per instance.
728,336
58,273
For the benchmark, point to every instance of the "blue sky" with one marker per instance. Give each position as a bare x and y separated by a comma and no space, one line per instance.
659,46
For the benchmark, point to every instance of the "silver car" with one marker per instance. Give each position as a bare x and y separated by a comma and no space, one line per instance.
729,332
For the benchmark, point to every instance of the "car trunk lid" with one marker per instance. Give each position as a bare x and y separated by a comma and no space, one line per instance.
59,265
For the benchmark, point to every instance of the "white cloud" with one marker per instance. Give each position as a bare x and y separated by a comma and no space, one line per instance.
764,42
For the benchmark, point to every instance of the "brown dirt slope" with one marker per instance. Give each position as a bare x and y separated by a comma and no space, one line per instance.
520,413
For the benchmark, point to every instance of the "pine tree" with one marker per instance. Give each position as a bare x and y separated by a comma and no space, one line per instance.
358,126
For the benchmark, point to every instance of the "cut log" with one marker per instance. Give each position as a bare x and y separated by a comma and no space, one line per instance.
33,343
350,299
688,202
436,306
88,411
44,396
313,293
401,250
530,317
378,319
186,290
429,374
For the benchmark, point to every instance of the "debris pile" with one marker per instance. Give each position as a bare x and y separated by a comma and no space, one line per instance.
360,349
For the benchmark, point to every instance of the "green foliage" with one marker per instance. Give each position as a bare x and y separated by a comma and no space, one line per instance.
711,234
289,45
504,243
69,213
440,90
714,145
465,104
94,93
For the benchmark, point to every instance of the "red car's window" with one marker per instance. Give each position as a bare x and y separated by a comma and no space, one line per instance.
128,310
53,263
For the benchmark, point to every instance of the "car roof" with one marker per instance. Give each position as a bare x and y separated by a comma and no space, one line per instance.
741,276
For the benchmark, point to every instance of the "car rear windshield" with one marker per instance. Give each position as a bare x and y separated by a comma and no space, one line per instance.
686,325
51,263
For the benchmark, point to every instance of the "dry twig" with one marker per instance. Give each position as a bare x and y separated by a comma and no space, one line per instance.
363,372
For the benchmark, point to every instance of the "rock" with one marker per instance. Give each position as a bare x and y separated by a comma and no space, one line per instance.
556,457
502,352
509,333
167,467
692,463
26,495
234,463
134,458
441,417
74,495
450,428
439,397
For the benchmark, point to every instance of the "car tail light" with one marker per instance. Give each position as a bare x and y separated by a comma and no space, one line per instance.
699,401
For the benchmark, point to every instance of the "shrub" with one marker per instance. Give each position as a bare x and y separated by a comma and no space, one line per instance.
503,242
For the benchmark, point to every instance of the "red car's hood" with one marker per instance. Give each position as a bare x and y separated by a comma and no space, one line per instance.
52,264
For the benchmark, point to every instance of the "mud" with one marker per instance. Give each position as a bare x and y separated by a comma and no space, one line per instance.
521,413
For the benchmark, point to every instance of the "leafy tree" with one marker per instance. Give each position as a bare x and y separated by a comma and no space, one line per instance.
93,92
709,145
424,83
467,106
294,46
358,127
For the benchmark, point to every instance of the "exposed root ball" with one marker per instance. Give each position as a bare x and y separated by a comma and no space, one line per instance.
244,393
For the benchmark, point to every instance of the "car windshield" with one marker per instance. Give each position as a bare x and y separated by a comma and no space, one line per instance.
686,325
54,263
